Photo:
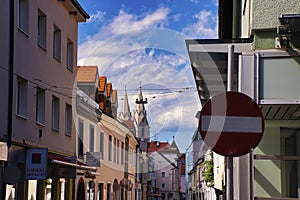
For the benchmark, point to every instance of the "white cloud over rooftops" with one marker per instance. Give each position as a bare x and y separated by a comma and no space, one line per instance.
97,17
119,50
206,26
125,21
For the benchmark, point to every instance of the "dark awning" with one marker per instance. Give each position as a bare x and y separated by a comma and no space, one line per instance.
61,160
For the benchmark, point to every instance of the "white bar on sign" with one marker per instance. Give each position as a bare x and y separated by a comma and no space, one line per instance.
231,124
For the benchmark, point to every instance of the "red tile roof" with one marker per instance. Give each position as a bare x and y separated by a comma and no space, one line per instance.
86,73
109,89
155,146
102,83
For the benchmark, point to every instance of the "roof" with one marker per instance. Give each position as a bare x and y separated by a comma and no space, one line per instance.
125,113
102,83
174,145
129,124
156,145
87,74
109,89
209,59
80,9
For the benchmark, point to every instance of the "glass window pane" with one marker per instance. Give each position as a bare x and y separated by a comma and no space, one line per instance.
80,139
57,43
40,105
41,29
68,119
70,55
55,113
22,97
23,15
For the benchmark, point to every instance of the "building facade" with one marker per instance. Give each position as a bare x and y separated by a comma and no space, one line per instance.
104,139
263,37
198,157
38,70
165,174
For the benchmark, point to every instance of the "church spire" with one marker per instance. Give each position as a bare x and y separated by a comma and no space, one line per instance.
125,113
141,122
140,111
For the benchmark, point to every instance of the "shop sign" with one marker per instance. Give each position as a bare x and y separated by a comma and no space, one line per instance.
36,164
93,159
3,151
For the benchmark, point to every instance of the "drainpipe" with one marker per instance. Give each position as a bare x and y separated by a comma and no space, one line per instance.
11,73
236,26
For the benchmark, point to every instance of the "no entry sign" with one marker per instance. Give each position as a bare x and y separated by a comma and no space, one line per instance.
231,123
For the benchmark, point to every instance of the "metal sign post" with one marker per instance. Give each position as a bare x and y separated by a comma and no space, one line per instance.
229,160
231,123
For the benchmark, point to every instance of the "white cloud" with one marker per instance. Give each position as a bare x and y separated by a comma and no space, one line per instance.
119,51
126,21
98,16
205,27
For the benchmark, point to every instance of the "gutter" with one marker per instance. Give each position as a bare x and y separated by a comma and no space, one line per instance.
80,9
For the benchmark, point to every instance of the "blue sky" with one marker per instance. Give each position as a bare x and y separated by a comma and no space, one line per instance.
142,42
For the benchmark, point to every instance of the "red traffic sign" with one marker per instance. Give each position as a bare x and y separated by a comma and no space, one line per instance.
231,123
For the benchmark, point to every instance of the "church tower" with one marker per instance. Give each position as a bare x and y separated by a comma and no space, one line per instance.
141,122
125,113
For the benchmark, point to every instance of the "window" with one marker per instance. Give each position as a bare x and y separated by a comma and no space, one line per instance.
42,29
285,152
23,15
101,145
40,105
163,185
163,174
92,135
70,55
109,147
80,139
22,97
68,120
118,151
57,43
108,191
115,149
122,153
55,113
101,191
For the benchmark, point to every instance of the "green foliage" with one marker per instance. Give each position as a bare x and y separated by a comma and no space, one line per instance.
209,173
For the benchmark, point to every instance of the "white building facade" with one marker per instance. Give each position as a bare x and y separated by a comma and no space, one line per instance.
38,70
